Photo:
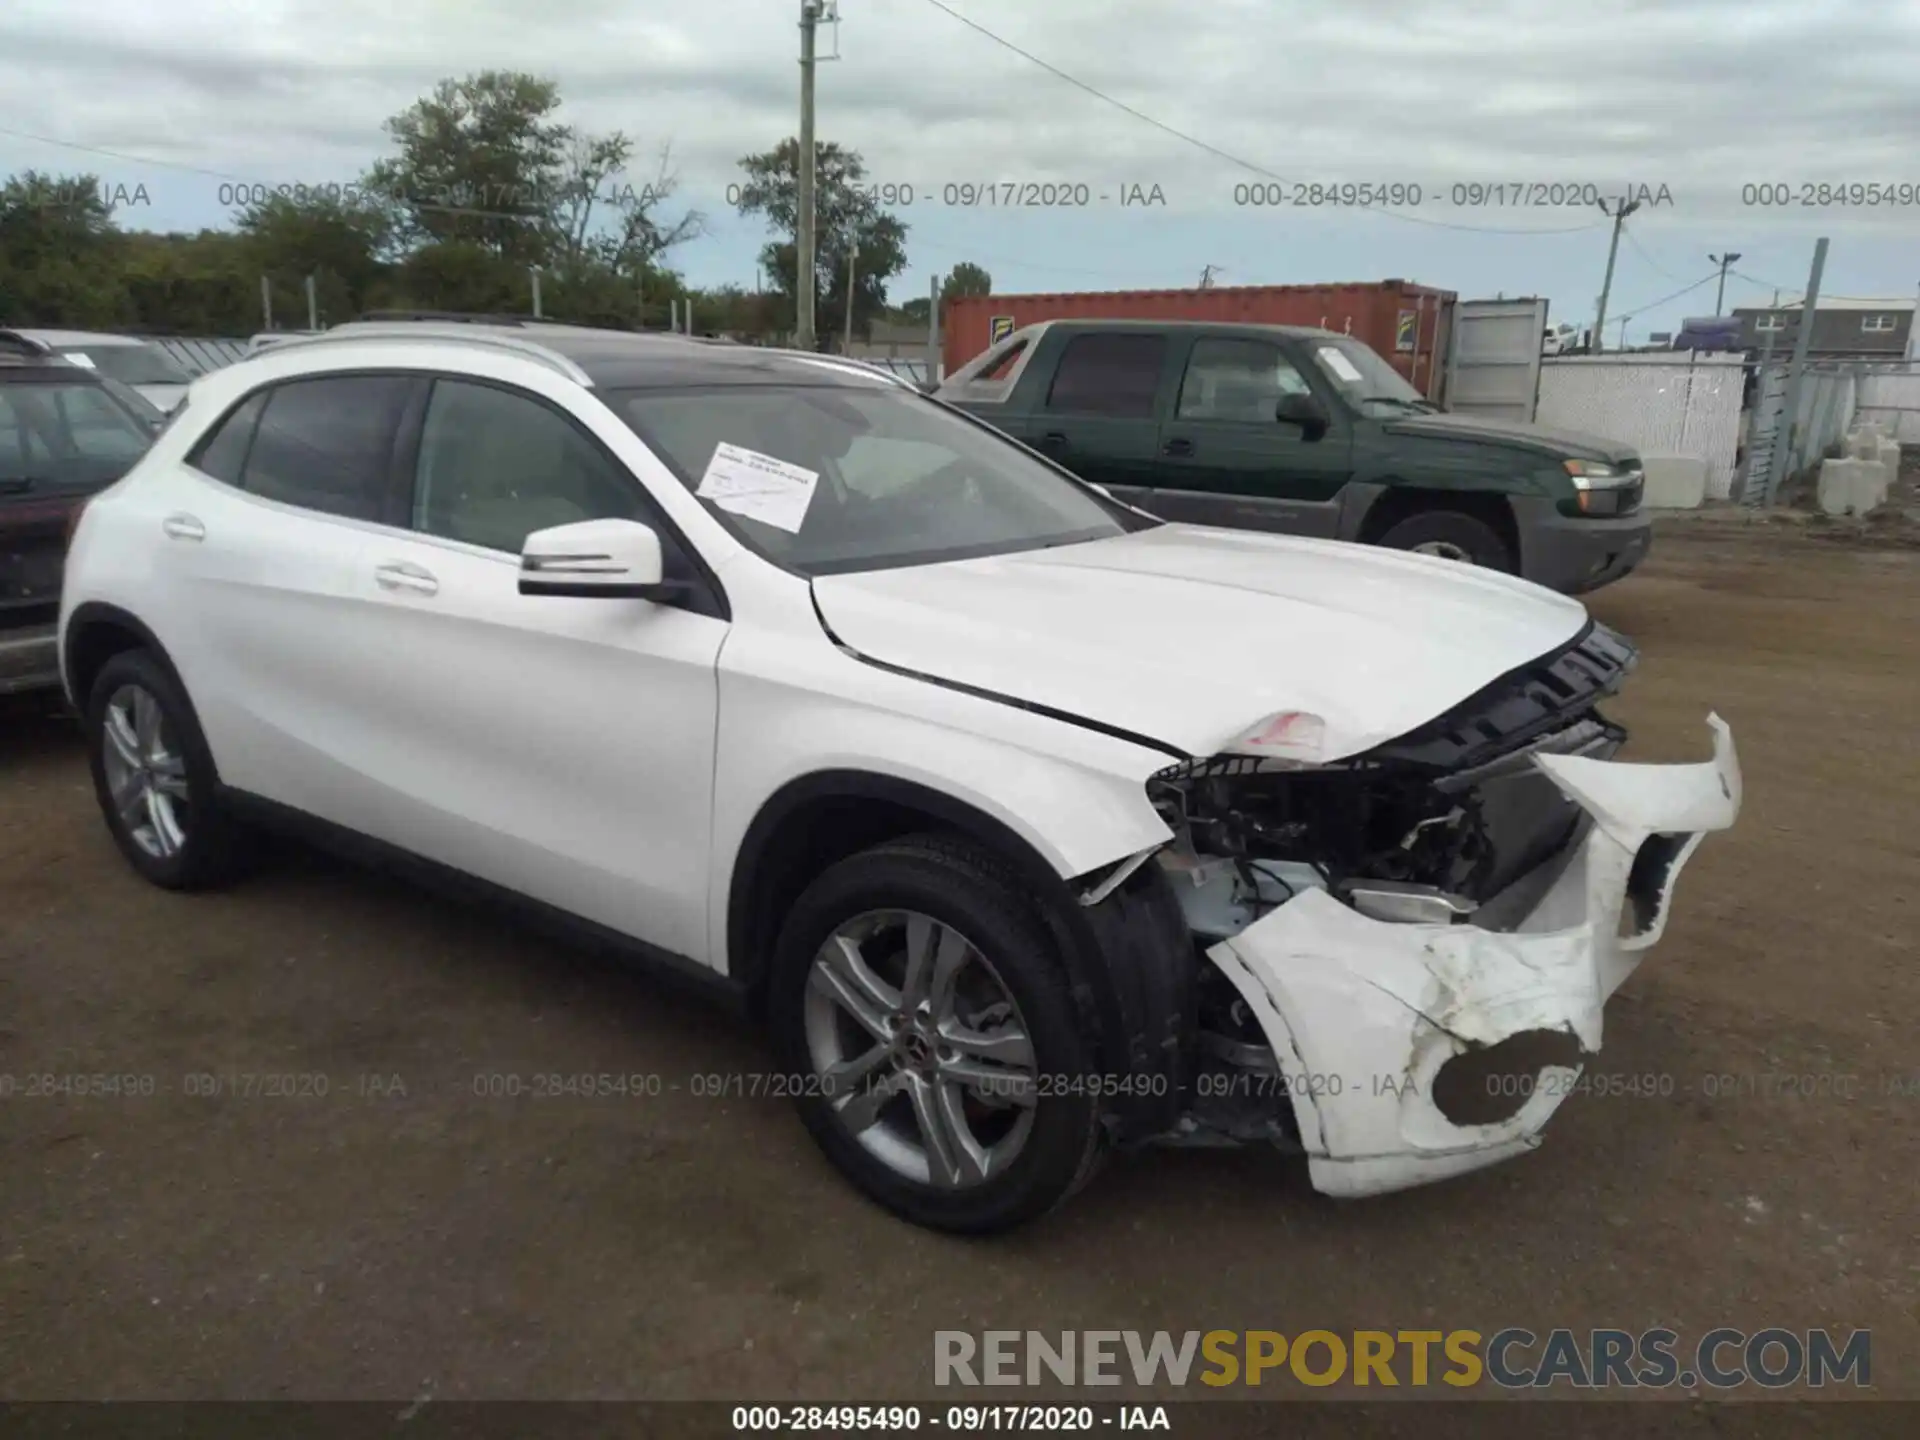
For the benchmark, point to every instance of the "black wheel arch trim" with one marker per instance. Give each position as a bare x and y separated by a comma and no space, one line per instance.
91,613
1130,959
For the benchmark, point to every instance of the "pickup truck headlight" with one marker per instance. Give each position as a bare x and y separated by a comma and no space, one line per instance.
1602,489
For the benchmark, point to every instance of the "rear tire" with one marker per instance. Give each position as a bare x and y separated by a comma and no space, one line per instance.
154,778
1451,535
1012,1136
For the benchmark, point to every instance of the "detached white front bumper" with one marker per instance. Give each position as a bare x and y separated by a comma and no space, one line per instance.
1364,1014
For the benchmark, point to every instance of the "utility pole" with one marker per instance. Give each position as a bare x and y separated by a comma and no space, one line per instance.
853,253
1206,276
803,285
1621,209
933,335
1720,295
533,274
266,303
1621,344
313,307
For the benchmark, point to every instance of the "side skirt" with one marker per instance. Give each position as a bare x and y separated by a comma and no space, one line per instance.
537,916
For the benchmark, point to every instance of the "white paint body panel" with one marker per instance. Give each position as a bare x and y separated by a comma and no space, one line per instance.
1191,635
1363,1014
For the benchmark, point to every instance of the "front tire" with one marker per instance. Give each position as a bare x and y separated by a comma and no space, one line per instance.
921,1007
154,778
1451,535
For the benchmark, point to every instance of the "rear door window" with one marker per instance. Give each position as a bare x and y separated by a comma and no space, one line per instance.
327,444
1114,375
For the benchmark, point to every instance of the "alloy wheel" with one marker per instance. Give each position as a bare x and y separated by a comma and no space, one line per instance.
145,771
919,1049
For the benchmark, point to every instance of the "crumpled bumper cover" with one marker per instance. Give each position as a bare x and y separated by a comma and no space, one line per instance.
1364,1015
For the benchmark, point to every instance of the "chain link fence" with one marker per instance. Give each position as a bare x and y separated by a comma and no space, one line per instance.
1682,406
1784,452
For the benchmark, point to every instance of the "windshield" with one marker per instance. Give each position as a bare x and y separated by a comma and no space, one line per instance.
130,364
825,479
144,410
64,435
1366,380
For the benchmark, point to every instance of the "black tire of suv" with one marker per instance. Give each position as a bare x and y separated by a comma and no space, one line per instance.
1480,541
212,853
964,886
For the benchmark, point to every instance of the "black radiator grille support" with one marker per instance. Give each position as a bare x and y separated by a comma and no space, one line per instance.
1521,705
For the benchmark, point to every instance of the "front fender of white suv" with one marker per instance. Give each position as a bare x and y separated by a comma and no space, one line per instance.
794,705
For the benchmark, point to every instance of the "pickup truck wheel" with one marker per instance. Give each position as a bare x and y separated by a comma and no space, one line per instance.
931,1039
1451,536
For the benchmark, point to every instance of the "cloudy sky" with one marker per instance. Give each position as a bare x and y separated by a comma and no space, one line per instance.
172,104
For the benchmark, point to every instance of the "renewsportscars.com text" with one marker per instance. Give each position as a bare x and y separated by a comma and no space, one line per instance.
1512,1358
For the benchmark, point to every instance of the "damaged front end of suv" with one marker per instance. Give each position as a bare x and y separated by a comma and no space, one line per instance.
1407,951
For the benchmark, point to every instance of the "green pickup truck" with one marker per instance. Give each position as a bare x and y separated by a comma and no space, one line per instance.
1274,427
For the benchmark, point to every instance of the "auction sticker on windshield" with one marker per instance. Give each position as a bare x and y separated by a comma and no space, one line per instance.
758,487
1339,364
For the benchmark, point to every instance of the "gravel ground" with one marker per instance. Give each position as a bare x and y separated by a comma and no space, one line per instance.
403,1236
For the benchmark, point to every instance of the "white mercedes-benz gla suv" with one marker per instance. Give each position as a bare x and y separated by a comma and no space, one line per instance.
1031,826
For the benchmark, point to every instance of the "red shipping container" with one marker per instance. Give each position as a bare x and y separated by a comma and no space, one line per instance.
1407,324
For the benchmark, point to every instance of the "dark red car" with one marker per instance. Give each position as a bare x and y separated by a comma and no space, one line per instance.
66,433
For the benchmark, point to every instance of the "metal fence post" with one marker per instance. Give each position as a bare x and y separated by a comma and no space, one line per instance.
933,334
1796,375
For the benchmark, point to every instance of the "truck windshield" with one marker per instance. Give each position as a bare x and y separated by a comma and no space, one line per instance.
62,436
130,364
1366,380
826,479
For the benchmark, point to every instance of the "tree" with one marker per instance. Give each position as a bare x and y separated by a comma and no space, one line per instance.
192,284
486,182
480,162
58,252
849,224
966,278
638,238
340,237
486,161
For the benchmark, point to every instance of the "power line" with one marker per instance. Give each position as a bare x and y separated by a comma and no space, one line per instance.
1215,150
1706,279
1641,252
1796,290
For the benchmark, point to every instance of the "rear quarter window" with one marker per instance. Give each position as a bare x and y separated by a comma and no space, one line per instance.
223,453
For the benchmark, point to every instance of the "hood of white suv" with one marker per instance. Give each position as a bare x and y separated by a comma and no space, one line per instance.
1195,637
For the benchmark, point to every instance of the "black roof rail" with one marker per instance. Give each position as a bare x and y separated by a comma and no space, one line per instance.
465,317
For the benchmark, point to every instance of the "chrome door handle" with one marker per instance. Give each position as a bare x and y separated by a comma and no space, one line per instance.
184,527
401,575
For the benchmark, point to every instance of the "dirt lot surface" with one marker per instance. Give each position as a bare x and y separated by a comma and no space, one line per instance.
403,1236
